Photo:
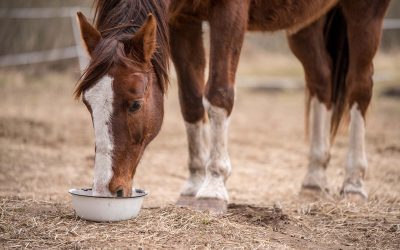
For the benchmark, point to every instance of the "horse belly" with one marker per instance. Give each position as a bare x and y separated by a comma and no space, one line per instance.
292,15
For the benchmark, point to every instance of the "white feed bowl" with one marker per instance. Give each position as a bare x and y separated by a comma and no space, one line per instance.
100,208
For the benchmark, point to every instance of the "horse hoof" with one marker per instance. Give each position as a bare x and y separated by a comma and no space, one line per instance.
186,201
354,192
309,194
354,197
212,205
315,180
313,193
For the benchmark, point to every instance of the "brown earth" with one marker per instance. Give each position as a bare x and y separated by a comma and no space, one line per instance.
46,147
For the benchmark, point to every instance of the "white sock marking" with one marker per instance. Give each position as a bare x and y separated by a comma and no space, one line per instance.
320,145
218,166
198,144
356,159
321,125
100,98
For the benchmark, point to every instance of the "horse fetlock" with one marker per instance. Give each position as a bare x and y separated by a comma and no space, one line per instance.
197,165
193,184
315,179
219,167
356,167
319,159
213,187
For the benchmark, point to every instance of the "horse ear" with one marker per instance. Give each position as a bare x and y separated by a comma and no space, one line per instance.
90,35
145,38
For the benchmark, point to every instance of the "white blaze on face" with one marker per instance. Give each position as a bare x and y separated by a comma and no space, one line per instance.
100,98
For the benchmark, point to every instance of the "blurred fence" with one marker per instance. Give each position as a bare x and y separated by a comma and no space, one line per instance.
391,23
75,51
49,14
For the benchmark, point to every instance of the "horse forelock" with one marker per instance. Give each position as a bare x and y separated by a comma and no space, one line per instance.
117,21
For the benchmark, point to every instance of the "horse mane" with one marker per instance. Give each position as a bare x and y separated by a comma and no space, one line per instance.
119,20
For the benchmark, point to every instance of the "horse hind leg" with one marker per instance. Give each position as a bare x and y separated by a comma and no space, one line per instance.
309,47
319,153
364,24
189,59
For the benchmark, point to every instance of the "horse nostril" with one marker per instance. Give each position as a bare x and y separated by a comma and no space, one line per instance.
120,193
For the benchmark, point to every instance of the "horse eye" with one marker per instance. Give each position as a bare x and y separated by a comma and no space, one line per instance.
135,106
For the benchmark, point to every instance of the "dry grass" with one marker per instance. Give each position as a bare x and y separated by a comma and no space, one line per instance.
46,147
39,224
49,224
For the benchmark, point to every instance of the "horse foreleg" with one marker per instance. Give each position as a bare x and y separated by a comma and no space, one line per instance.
364,23
188,55
309,47
228,22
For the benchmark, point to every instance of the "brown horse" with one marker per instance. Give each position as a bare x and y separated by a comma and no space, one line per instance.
125,81
123,86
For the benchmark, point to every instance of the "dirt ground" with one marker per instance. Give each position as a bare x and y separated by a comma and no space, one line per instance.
46,147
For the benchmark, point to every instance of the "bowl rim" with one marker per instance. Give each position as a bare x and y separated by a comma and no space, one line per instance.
139,193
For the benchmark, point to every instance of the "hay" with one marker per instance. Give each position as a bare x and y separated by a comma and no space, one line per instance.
46,224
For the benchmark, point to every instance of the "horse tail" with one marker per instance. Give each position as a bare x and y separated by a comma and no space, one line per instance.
336,42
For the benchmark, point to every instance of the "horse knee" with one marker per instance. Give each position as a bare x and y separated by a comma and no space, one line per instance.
221,96
191,106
